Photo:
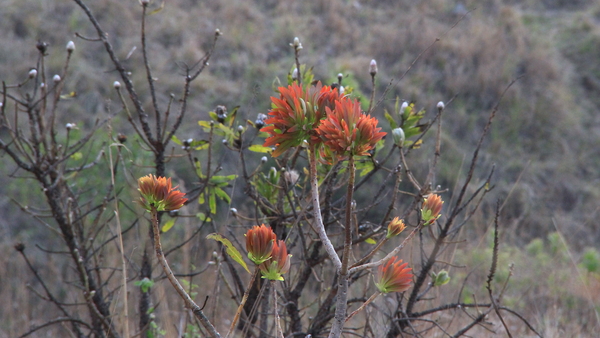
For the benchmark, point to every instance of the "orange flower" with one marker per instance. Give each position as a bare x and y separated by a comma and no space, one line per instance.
157,193
295,114
278,264
259,243
394,276
430,211
347,131
395,227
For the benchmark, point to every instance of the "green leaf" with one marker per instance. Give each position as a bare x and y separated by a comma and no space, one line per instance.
370,241
222,195
222,179
167,226
257,148
198,143
201,216
391,120
365,167
176,140
231,116
203,146
144,284
77,156
205,124
198,169
212,202
230,249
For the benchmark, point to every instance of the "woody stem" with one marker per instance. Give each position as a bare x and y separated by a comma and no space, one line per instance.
244,299
189,303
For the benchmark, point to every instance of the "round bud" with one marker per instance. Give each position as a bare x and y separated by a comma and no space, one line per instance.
398,136
122,138
56,78
240,129
225,142
373,67
263,159
295,74
233,211
260,121
403,107
145,2
218,32
296,42
41,46
32,73
42,85
440,105
186,144
221,113
69,126
70,46
117,84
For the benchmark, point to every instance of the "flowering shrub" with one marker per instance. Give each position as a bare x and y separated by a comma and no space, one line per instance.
316,205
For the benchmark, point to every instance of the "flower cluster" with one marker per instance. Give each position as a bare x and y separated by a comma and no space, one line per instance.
320,115
295,114
393,276
158,194
265,251
347,131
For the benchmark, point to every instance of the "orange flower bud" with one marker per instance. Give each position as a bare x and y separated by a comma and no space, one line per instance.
394,276
157,193
259,243
430,211
278,264
395,227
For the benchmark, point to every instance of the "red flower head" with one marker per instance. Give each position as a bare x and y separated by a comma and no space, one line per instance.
347,131
394,276
278,264
430,211
395,227
157,193
295,114
259,243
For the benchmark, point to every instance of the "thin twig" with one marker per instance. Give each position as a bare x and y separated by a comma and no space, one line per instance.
189,302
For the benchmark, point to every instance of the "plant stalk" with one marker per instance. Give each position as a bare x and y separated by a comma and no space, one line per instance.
342,294
189,302
241,306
